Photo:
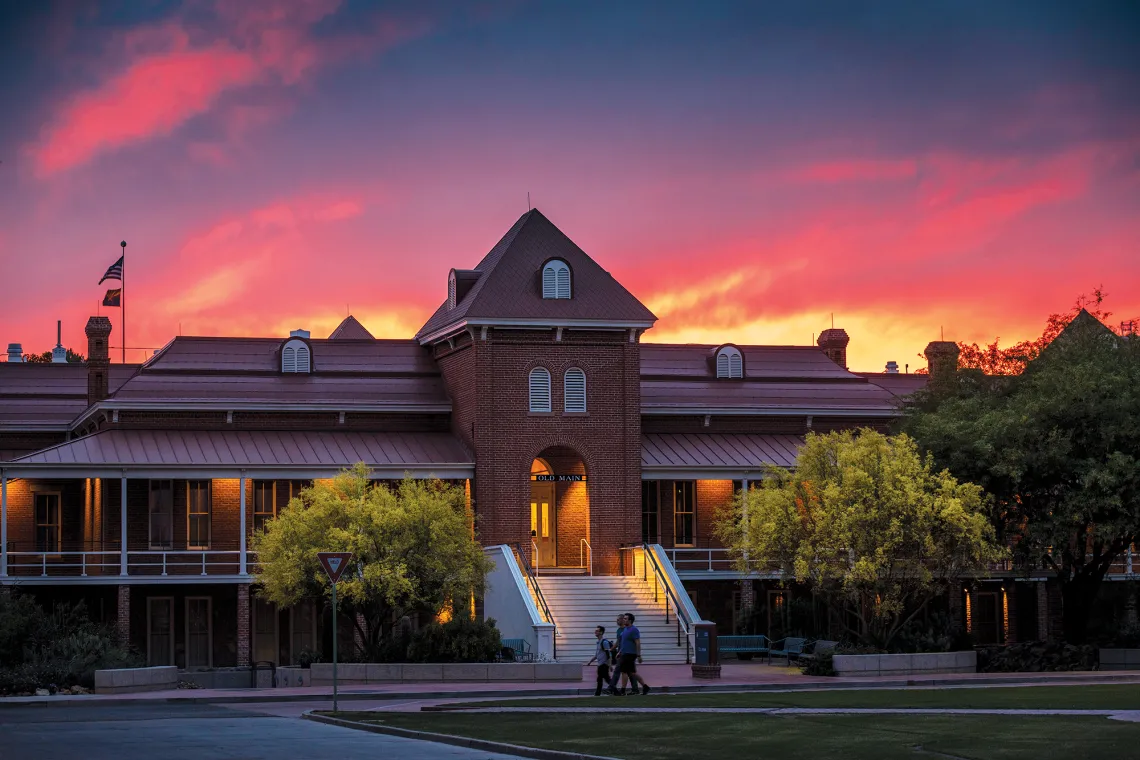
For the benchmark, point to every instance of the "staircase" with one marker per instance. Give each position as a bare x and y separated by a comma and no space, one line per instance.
580,603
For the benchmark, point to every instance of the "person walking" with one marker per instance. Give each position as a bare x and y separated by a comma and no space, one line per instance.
615,657
630,649
602,655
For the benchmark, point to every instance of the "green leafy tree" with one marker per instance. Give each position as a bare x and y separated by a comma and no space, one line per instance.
1056,448
45,358
869,524
413,551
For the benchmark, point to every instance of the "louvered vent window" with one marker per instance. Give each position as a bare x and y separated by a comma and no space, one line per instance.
729,363
574,391
556,279
539,390
295,357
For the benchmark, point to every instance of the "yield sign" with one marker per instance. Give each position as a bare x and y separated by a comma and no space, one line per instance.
334,563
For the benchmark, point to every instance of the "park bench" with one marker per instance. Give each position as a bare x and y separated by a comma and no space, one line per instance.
820,647
744,647
515,650
786,648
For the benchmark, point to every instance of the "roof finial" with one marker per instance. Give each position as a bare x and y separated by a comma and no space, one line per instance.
833,320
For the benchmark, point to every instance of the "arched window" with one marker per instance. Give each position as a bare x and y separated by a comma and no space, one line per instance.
729,363
574,391
556,279
295,357
539,390
451,290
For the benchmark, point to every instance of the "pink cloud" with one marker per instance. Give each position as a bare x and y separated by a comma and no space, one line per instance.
858,170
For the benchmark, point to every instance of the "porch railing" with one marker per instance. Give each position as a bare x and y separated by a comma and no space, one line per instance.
148,562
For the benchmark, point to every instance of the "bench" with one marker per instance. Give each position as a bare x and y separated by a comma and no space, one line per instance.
743,646
515,650
820,647
788,648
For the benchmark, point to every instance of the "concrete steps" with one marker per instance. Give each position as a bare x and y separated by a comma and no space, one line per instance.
578,604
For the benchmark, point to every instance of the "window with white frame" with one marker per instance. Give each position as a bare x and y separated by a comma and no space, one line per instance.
295,356
47,522
271,496
729,363
574,391
161,514
556,279
539,390
684,512
197,514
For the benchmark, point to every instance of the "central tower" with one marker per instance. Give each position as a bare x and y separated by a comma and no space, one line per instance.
538,346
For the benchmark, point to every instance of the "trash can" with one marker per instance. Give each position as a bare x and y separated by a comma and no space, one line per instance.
706,660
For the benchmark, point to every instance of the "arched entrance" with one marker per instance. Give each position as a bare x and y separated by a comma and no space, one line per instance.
559,508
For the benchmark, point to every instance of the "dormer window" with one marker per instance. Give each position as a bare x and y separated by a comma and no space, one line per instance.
556,279
295,356
729,363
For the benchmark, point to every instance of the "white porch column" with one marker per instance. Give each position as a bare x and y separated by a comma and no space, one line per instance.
123,524
3,523
241,524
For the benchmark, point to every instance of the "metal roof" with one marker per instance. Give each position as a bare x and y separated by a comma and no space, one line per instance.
260,355
898,383
214,453
776,397
35,396
510,287
760,362
721,455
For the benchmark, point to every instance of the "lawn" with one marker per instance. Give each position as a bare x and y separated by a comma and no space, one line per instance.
1060,697
669,737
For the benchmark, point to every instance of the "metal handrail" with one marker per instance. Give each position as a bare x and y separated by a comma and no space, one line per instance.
534,557
532,580
583,546
684,627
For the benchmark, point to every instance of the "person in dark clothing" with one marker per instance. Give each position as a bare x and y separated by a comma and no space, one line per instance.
602,657
630,654
614,657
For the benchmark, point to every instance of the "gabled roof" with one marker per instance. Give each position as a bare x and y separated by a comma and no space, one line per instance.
350,329
510,286
36,396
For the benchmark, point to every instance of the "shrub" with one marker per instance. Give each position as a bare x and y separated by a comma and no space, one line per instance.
307,657
818,664
1036,657
458,640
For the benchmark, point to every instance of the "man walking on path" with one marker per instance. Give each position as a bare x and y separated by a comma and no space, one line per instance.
615,657
602,657
630,648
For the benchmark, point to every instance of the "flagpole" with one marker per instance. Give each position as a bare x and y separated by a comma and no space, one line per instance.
123,299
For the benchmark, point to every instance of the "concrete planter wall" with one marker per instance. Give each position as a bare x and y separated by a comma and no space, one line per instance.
1120,659
905,664
473,672
124,680
231,678
291,677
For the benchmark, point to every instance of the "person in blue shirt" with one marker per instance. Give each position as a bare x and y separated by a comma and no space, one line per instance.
629,648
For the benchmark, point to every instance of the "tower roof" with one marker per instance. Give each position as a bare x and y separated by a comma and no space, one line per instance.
509,287
350,329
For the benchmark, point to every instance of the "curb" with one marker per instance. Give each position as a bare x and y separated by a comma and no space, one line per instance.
458,741
1089,678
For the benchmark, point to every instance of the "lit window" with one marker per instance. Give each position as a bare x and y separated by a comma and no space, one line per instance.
539,390
729,363
556,279
197,514
295,357
574,391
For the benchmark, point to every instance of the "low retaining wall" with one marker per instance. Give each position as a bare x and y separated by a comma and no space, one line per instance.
124,680
291,677
905,664
478,672
233,678
1120,659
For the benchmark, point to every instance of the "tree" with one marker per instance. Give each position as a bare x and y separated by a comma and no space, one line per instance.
45,358
868,523
1056,448
994,360
412,544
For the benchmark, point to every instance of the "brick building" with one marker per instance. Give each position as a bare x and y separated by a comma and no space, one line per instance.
530,383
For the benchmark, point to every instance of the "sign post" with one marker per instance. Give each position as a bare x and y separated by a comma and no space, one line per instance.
334,564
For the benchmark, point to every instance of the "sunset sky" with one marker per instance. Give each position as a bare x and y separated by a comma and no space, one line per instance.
746,170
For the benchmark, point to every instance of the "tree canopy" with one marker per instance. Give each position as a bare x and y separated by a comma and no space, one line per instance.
45,357
869,523
412,544
1056,448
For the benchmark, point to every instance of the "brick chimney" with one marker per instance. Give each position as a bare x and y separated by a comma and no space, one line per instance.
834,342
98,358
941,358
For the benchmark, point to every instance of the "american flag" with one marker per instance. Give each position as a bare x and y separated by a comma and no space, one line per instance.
114,272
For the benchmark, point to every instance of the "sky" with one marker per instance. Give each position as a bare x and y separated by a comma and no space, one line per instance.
750,171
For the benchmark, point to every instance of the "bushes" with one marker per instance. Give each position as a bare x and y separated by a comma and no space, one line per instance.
52,650
458,640
1036,657
820,664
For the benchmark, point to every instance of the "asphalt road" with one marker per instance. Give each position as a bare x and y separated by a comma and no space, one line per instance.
197,732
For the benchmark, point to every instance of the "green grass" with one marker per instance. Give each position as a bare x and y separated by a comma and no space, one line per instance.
669,737
1061,697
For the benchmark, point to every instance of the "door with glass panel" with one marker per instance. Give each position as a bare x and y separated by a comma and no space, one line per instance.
265,619
199,649
159,630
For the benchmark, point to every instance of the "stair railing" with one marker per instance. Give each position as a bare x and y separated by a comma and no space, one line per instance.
532,583
684,625
583,547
